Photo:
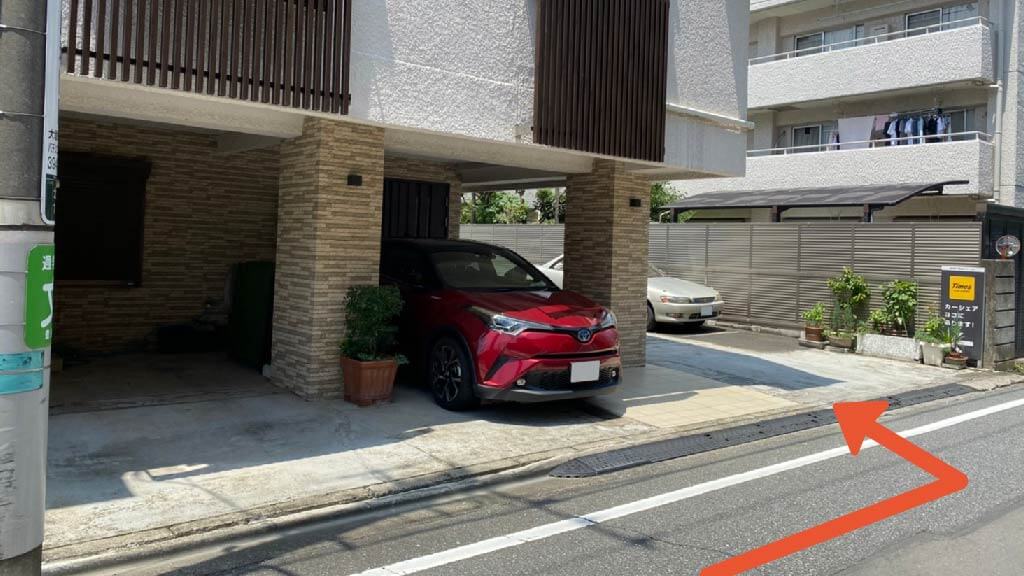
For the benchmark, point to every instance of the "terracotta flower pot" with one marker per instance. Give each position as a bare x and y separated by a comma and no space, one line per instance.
814,333
367,383
955,361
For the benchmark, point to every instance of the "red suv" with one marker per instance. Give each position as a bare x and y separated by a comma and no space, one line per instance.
480,322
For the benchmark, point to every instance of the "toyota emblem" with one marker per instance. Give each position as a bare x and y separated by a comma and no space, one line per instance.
584,335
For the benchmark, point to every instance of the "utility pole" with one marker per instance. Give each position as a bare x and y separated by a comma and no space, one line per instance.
29,73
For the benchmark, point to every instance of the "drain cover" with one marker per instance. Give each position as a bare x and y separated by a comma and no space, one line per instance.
623,458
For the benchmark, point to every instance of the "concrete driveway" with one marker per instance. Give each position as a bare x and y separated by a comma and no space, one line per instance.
713,375
146,448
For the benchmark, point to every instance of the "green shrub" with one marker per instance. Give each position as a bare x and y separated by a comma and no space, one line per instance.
934,328
880,320
852,294
900,304
815,316
370,330
952,334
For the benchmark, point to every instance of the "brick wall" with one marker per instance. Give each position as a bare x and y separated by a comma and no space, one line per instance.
328,239
605,248
427,171
204,211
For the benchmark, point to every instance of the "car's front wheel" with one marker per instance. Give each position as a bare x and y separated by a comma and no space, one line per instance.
651,322
450,374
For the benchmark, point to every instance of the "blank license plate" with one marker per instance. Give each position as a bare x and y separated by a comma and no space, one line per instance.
585,371
707,311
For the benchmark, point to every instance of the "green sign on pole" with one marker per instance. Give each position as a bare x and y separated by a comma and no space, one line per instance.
39,297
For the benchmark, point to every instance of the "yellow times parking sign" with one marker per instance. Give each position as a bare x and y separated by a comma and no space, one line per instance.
961,288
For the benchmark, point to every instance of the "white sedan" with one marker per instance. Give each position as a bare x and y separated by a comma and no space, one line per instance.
669,300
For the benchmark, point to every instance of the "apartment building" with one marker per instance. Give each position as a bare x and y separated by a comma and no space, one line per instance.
196,135
876,110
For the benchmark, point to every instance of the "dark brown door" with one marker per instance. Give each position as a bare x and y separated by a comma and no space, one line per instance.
414,209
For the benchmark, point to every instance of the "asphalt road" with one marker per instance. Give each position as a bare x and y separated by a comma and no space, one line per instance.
977,531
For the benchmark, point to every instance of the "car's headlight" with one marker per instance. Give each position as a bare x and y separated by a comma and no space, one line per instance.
675,300
608,320
506,324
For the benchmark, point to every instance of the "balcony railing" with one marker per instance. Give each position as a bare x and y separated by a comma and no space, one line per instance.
863,144
286,52
847,44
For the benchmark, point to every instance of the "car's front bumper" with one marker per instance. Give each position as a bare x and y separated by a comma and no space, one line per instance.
682,313
549,379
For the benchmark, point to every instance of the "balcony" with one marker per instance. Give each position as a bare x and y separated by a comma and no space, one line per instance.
947,53
292,53
962,156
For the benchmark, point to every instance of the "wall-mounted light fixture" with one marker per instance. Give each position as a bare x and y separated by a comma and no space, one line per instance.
635,203
355,180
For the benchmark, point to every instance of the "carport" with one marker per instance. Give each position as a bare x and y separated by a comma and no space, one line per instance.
221,247
870,199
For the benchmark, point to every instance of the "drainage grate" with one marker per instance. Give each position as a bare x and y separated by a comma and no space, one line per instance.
621,459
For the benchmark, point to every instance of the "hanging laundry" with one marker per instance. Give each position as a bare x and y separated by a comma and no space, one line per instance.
892,130
931,128
878,130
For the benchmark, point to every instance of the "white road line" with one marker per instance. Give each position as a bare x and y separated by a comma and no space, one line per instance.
468,551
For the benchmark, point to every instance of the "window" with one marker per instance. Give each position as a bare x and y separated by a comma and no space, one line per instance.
100,207
961,121
809,44
486,270
807,136
655,272
922,20
940,16
404,268
960,13
844,37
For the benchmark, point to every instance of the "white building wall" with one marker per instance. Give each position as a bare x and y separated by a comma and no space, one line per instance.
958,55
467,67
924,163
457,66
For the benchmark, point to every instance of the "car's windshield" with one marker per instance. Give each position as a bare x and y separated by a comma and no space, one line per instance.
485,270
655,272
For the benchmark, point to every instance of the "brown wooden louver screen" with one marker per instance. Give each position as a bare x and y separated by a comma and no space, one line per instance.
286,52
602,68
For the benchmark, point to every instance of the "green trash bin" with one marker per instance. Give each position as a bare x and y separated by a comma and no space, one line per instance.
252,309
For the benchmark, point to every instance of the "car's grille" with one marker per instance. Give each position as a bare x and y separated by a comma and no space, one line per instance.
549,380
706,300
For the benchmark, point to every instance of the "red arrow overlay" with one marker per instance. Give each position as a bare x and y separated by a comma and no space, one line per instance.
857,421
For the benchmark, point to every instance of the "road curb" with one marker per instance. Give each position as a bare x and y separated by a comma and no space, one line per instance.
111,551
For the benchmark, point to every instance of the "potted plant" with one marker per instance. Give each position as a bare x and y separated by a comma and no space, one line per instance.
813,320
933,341
369,358
892,324
900,306
844,329
955,358
880,321
851,293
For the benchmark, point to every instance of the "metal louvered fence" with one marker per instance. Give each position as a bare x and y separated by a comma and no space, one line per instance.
769,273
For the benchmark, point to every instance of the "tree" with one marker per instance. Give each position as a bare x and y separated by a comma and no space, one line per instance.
494,208
550,204
662,194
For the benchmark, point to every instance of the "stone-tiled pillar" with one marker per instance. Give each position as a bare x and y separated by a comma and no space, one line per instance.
328,238
606,248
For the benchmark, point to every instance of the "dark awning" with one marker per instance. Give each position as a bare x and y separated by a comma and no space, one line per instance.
886,195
